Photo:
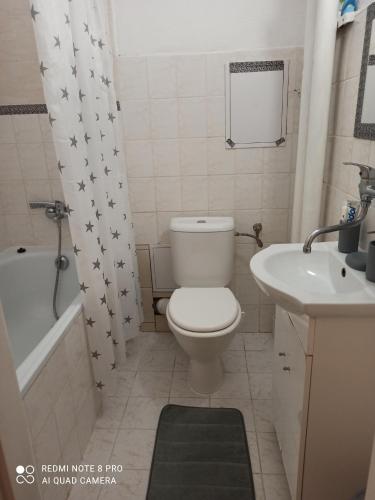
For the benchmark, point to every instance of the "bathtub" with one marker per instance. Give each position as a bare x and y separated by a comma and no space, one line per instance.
26,292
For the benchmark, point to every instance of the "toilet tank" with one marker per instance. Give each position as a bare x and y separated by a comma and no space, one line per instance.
202,250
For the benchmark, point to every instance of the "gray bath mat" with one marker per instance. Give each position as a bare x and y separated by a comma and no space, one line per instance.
200,454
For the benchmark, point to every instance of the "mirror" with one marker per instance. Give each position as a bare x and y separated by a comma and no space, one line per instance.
365,116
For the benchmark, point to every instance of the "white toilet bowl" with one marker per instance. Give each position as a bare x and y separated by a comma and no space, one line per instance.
204,321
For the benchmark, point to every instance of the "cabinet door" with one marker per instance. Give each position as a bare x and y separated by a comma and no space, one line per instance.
289,376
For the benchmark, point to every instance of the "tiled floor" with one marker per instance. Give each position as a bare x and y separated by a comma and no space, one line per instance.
157,374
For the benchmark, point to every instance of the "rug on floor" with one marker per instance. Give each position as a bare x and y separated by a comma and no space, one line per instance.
200,454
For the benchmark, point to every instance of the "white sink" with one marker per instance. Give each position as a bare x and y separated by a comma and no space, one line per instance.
316,284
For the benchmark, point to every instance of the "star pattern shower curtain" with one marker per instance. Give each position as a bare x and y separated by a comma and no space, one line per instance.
76,67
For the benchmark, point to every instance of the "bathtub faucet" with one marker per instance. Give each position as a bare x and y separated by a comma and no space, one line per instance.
55,210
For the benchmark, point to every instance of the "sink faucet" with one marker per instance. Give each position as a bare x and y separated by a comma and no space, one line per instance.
367,194
55,210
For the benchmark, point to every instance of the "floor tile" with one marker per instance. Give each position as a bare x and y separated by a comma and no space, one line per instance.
131,485
257,341
133,448
259,361
84,492
236,343
276,487
162,342
235,385
156,361
244,405
181,362
258,486
260,385
254,452
201,402
269,452
125,381
100,446
143,413
112,412
181,388
263,415
234,362
152,384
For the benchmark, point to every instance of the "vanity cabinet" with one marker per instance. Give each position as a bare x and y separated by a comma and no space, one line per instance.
324,403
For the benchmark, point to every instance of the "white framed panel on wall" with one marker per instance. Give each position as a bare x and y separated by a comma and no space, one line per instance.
256,98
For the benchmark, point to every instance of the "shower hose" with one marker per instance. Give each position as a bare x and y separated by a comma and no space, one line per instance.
58,268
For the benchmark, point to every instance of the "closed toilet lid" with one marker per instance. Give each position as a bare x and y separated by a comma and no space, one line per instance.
203,309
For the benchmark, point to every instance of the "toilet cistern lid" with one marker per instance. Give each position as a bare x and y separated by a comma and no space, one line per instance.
203,309
201,224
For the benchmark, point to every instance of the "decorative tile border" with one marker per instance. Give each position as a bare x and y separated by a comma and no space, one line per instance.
365,130
30,109
254,66
371,60
23,109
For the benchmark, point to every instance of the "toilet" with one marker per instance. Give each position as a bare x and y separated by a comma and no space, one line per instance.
203,313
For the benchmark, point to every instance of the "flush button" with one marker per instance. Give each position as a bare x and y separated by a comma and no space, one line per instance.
201,221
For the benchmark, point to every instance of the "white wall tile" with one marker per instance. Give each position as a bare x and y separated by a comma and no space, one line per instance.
51,160
13,198
275,226
136,119
139,159
45,128
164,122
26,128
192,117
215,65
142,194
219,159
6,129
221,192
193,156
166,158
164,219
195,193
248,191
276,188
215,116
145,228
9,164
162,77
32,161
19,229
168,193
132,77
279,159
191,75
248,161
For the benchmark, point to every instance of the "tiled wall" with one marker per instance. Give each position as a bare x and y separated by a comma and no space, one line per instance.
28,171
27,158
19,76
341,182
62,405
173,111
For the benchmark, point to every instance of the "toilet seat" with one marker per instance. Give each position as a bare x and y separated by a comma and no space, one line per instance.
203,309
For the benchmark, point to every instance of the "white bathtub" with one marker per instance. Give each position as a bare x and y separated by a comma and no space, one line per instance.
26,293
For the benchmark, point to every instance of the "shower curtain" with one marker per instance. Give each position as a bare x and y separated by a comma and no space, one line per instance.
76,67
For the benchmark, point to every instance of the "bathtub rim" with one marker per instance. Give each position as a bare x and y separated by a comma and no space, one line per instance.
35,361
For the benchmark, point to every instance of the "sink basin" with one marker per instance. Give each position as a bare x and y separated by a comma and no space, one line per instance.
316,284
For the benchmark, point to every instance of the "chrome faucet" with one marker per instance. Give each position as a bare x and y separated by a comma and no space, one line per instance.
55,210
367,194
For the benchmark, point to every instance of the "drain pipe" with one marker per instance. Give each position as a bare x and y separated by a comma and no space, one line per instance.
161,306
